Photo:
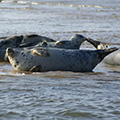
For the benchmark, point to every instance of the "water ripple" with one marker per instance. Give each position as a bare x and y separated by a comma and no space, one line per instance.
60,4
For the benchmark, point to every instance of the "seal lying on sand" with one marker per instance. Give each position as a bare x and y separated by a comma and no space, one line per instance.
13,41
113,59
34,38
54,59
74,43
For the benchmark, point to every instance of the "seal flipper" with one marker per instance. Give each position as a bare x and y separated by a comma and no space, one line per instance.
40,52
60,42
104,53
35,69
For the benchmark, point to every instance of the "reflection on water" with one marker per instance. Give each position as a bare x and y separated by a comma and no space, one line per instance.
61,95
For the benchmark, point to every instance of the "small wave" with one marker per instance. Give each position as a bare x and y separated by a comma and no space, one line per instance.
60,4
12,75
76,114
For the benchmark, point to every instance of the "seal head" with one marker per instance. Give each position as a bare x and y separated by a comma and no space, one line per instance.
98,45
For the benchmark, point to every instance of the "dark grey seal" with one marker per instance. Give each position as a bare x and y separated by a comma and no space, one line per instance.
34,38
13,42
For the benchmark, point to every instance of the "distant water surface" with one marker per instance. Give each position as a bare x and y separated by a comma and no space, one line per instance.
61,95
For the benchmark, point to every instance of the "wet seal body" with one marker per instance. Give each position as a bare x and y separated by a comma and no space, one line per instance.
113,58
52,59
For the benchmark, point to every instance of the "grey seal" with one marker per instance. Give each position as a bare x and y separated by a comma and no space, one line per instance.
113,58
74,43
34,38
13,41
54,59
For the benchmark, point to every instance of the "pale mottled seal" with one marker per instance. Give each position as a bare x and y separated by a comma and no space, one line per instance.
113,58
54,59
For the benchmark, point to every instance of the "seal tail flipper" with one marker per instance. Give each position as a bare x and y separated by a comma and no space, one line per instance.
104,53
98,45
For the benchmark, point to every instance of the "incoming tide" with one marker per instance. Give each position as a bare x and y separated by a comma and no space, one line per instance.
61,95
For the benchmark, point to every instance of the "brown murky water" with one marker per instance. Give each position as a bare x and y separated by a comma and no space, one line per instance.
61,95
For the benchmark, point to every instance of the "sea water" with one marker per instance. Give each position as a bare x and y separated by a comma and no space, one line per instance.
61,95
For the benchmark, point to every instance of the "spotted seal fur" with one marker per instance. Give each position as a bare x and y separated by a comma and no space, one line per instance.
74,43
54,59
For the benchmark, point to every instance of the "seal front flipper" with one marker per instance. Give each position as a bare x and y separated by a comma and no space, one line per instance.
35,69
40,52
60,42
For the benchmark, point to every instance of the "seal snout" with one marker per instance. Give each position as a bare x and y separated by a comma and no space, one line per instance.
10,52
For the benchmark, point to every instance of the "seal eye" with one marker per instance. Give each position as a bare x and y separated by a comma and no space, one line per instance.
15,65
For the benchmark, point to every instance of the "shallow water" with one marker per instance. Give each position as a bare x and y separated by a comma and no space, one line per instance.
61,95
